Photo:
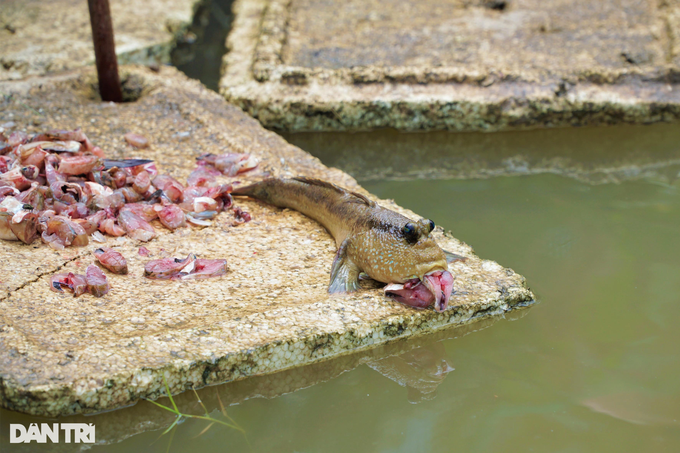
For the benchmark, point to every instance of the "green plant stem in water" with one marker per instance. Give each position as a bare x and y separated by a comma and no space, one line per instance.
175,410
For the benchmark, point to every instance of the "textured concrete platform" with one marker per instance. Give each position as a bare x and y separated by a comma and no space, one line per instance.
39,37
63,355
457,65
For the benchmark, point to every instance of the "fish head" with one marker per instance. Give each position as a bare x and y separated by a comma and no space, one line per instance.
424,277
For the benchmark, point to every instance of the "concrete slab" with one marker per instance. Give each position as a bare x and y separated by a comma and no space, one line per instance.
458,65
39,37
62,355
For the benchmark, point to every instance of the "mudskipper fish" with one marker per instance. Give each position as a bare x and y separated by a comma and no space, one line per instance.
381,243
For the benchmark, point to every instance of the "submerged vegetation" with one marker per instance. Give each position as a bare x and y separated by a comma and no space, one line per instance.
180,416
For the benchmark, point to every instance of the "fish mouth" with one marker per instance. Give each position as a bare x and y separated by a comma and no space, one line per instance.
435,287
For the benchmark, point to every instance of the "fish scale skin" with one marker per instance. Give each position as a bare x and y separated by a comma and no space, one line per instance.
377,245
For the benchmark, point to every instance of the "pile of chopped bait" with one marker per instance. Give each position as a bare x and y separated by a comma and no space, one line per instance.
58,186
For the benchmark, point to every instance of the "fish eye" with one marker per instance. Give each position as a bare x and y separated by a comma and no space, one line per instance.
431,225
409,229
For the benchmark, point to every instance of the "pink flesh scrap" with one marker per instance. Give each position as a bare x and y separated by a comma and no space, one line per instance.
135,226
436,287
111,227
97,284
25,226
206,269
172,189
145,211
202,175
75,283
6,232
241,216
61,232
172,217
229,164
186,269
136,140
167,268
33,156
78,165
112,260
142,182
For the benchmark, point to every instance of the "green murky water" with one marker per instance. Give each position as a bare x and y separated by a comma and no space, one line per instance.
593,367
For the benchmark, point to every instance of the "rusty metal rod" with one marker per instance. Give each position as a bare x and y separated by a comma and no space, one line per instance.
105,50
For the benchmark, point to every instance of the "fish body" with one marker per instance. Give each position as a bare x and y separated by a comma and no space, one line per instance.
384,244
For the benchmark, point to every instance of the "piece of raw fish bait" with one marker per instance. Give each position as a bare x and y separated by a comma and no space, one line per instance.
6,232
149,166
143,251
229,164
241,216
168,268
93,188
70,146
136,140
130,194
78,165
17,138
172,217
24,225
97,284
16,178
52,175
75,283
135,226
9,191
111,227
202,175
61,232
4,166
172,189
35,196
146,211
89,226
201,204
205,269
142,182
186,269
112,260
221,194
73,211
119,177
32,155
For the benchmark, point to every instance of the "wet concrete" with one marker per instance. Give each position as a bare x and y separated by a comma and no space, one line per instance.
460,65
63,355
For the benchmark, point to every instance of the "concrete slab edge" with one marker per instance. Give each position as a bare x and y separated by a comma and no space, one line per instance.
182,375
363,98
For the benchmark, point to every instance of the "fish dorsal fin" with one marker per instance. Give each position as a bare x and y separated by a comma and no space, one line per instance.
357,197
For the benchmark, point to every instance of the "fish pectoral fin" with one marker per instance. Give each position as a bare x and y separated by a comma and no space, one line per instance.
344,273
451,257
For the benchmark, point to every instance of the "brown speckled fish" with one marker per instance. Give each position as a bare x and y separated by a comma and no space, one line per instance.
385,245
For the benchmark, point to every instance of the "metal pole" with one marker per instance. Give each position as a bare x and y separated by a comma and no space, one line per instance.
105,50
